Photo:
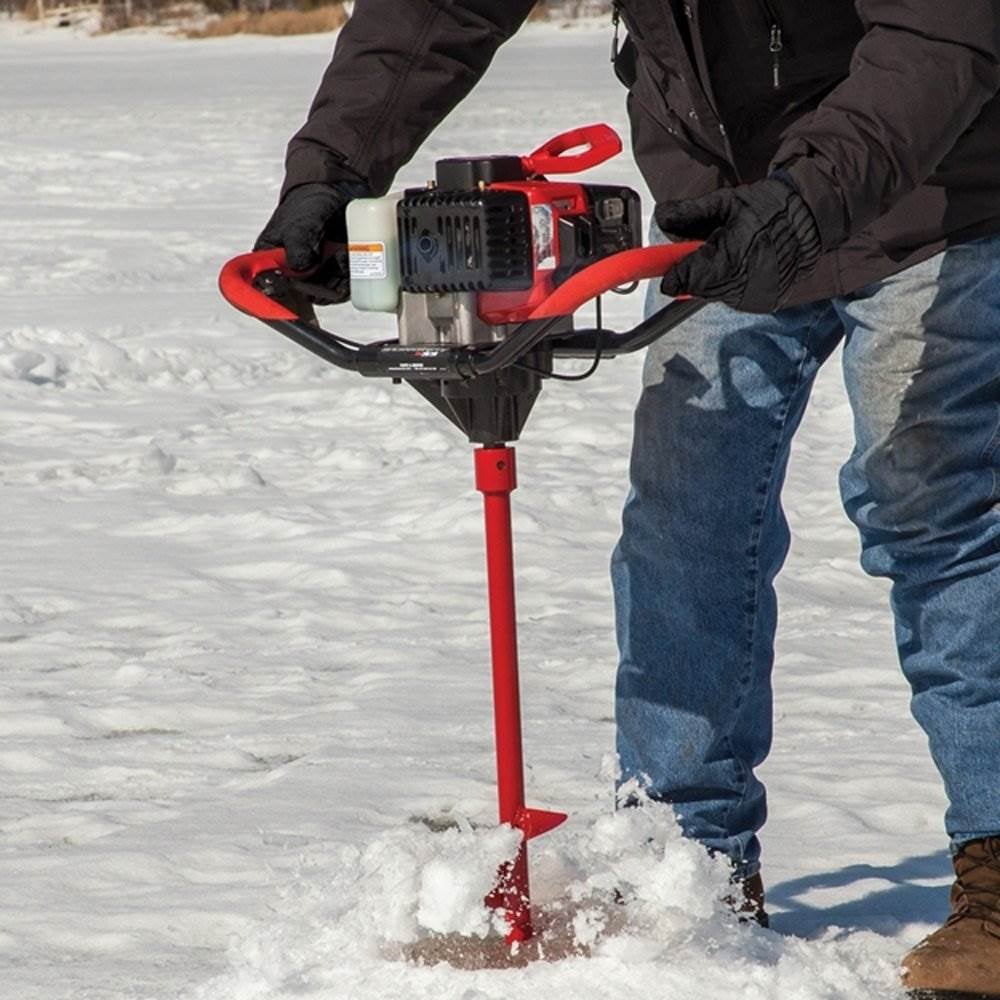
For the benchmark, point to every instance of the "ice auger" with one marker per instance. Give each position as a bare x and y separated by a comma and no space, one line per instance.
484,269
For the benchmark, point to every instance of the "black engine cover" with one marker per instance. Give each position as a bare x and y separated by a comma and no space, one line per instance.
466,241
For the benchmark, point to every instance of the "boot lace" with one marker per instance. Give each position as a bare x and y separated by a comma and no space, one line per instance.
976,892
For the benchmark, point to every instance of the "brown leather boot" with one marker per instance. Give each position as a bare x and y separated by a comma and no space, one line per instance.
961,961
747,900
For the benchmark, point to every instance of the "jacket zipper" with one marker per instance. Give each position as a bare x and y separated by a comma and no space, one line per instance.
776,44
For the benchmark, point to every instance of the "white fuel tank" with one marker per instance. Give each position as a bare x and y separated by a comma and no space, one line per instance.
373,248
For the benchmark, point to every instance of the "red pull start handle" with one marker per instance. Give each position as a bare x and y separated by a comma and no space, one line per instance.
600,142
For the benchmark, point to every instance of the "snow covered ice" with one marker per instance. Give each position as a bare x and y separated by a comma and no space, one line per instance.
246,747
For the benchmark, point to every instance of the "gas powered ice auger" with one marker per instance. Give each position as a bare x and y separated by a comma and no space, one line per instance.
484,269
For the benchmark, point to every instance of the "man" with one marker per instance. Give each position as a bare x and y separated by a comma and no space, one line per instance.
841,160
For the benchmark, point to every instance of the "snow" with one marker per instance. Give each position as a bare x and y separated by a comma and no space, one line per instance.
246,743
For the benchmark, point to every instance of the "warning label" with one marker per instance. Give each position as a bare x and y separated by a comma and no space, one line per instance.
368,261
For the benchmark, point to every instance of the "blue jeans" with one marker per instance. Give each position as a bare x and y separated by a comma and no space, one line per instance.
704,534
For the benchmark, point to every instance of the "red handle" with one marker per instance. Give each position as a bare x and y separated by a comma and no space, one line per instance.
236,284
237,277
612,272
601,141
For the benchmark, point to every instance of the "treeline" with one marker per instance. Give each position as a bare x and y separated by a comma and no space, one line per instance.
204,18
322,15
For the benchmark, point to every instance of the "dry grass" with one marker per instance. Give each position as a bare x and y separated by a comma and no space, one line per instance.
554,940
275,22
567,10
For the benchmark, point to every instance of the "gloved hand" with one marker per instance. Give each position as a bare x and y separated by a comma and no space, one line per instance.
308,217
758,239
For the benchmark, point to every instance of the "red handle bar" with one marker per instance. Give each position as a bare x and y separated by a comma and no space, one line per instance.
236,284
237,277
612,272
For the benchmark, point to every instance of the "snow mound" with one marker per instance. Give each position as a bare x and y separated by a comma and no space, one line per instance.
626,908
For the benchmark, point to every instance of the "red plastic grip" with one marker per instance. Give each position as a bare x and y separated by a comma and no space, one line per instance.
236,284
601,143
612,272
237,277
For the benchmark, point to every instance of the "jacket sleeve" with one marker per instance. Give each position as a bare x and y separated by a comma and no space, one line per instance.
398,69
919,78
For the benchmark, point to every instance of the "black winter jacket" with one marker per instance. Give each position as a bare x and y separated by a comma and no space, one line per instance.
884,112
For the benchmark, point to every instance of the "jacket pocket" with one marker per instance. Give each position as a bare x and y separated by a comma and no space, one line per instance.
647,97
626,68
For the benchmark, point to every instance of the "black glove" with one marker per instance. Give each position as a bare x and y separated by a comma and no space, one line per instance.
759,238
309,217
